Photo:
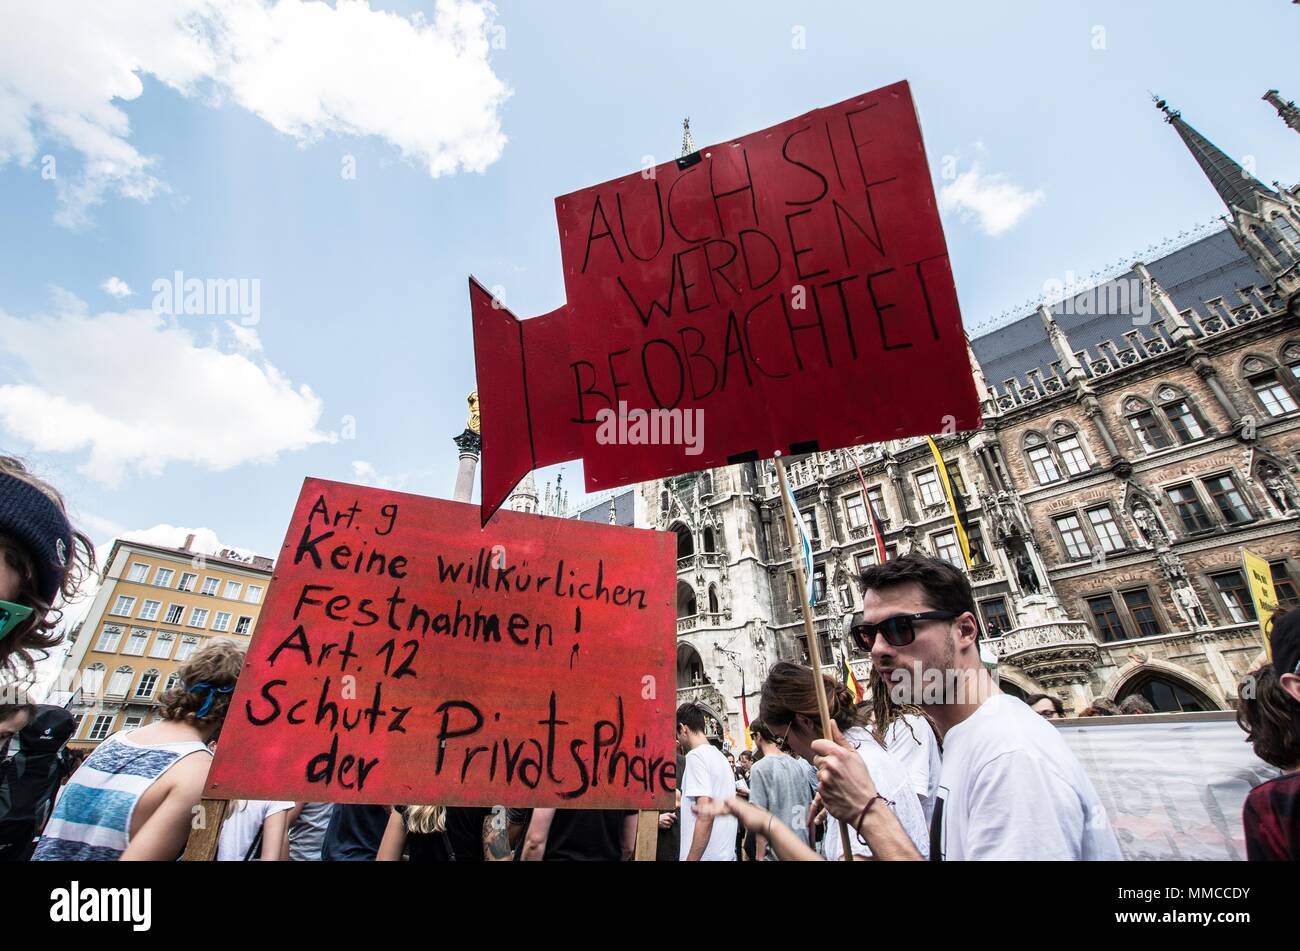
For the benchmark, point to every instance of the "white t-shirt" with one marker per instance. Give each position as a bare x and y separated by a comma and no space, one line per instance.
892,782
911,741
1011,789
241,825
707,774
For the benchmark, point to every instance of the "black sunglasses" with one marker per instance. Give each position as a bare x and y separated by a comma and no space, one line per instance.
899,630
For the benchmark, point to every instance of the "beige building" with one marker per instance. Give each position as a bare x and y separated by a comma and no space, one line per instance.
155,607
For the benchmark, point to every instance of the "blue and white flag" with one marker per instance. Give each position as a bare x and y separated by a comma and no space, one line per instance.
807,547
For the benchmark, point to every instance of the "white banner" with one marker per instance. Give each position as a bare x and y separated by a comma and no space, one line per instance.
1172,784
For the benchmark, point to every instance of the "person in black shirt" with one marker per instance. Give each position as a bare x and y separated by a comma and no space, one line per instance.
354,833
420,831
580,835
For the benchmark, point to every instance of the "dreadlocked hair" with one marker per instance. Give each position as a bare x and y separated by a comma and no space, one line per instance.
884,711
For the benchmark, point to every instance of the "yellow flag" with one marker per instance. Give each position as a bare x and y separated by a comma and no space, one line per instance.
1260,578
959,520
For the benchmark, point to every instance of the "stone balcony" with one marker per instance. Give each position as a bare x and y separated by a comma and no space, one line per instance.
1051,652
705,693
704,559
696,621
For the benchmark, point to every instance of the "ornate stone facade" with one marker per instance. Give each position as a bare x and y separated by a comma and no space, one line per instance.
1116,480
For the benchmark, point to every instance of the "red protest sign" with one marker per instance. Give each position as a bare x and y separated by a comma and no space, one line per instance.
719,305
406,656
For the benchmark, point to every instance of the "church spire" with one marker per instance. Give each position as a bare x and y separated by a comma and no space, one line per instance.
1289,112
1237,187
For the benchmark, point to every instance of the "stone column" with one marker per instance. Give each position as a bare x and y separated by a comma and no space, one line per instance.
470,445
1207,372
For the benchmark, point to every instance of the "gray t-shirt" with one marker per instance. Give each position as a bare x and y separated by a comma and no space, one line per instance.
307,834
780,785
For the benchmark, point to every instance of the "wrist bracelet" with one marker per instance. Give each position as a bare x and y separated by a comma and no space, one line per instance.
863,814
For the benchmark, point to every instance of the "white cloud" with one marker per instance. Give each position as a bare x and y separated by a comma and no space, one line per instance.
307,68
137,394
365,473
117,287
995,204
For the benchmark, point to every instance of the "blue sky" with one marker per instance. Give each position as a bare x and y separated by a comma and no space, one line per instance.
363,280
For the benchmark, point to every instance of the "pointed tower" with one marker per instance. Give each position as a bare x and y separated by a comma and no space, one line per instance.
1264,222
1289,112
524,497
688,140
1237,187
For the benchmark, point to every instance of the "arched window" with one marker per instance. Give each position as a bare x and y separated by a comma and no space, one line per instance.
690,669
1148,431
1291,357
713,600
1275,249
1041,459
1270,387
121,682
685,544
148,681
709,544
92,682
1286,229
1070,448
1181,414
1167,695
685,600
173,679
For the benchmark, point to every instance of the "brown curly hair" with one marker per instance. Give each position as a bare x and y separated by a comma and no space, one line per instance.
1269,717
217,663
790,689
38,633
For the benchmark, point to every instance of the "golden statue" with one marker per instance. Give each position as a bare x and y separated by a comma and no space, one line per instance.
472,423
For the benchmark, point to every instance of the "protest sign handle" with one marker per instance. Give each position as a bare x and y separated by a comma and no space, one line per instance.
205,831
647,835
814,649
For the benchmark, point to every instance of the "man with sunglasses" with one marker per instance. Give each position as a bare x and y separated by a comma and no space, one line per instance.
1009,787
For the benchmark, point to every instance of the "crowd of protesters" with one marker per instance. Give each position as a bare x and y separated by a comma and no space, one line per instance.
964,772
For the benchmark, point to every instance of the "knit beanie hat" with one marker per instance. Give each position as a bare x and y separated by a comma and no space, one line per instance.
37,523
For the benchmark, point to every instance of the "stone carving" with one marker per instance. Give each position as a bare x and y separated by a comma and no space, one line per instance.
1148,524
1025,574
1189,605
1280,489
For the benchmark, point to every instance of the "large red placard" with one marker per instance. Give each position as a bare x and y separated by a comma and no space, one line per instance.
406,656
788,290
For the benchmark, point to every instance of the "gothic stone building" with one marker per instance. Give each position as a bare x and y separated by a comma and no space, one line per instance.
1137,435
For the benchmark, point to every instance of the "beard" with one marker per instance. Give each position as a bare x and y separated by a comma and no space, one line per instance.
927,681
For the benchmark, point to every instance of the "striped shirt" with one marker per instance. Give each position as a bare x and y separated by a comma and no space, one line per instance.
92,818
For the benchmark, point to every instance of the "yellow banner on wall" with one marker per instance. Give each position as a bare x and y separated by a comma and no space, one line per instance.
1260,579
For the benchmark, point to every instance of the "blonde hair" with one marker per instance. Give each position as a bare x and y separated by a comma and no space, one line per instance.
424,820
217,663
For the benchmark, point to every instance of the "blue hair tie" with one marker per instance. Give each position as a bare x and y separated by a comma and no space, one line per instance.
211,690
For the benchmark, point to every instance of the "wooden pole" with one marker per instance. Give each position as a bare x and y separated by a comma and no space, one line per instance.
202,843
647,835
814,649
